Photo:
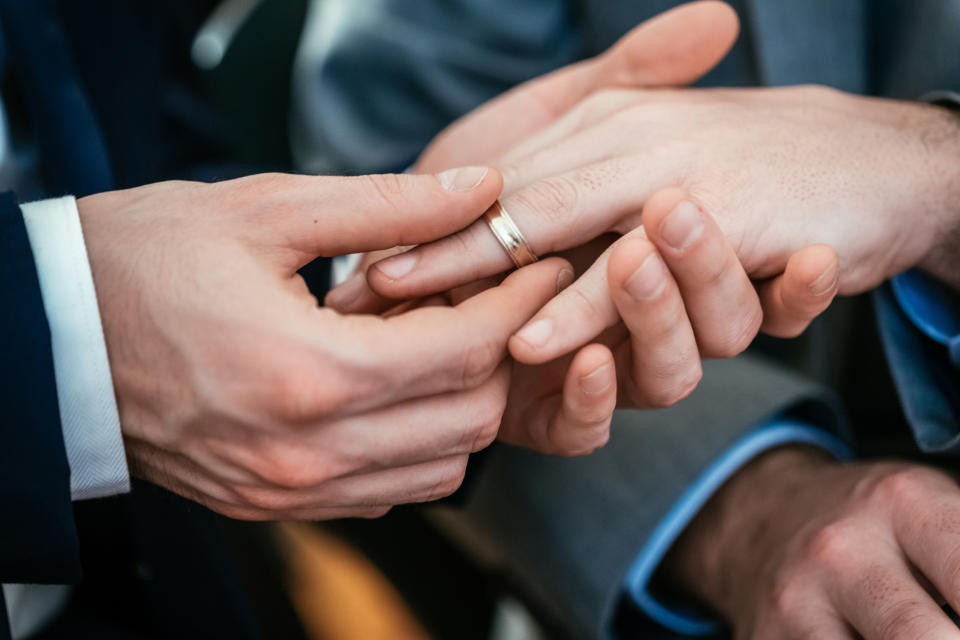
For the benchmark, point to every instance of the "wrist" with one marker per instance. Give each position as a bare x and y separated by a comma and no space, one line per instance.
716,559
941,138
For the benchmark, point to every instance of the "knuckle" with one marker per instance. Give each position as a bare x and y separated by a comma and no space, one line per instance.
450,481
371,513
487,418
597,106
470,241
593,414
238,512
511,172
263,499
589,109
668,325
788,601
581,304
608,100
478,362
294,397
387,189
834,545
739,336
595,443
552,198
678,386
902,487
780,330
712,275
291,467
484,436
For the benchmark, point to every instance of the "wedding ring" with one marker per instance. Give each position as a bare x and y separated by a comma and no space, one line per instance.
510,238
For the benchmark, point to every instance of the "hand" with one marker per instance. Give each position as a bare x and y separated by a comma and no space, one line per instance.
676,307
236,390
778,170
798,546
672,49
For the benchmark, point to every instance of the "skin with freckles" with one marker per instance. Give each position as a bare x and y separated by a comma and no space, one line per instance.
815,192
716,214
777,170
235,389
651,336
799,546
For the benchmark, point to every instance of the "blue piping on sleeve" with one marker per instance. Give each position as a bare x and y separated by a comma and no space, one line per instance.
931,306
777,433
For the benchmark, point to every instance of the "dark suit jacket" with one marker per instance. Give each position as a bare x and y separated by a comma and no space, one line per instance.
147,564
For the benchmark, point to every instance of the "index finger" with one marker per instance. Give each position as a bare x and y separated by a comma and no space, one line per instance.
440,349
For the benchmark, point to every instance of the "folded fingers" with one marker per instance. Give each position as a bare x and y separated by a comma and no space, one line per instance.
801,293
660,364
571,418
553,214
720,299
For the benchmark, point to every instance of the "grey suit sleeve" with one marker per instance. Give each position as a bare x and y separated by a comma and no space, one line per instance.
566,531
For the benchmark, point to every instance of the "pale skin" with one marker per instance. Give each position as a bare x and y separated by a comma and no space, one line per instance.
797,546
786,197
236,390
776,170
636,334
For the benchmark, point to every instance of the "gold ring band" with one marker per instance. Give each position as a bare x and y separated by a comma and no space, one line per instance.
510,238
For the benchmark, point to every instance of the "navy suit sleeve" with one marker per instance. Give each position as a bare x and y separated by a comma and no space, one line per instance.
38,540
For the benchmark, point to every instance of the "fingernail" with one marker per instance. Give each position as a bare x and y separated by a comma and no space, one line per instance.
537,333
564,279
462,178
648,280
397,266
597,381
682,226
344,294
825,281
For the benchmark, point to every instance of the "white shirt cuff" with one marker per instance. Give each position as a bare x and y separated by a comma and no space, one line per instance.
343,268
88,407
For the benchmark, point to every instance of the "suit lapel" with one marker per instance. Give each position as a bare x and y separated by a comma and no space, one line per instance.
809,41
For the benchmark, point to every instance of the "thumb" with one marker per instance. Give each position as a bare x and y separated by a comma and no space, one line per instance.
674,48
330,216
